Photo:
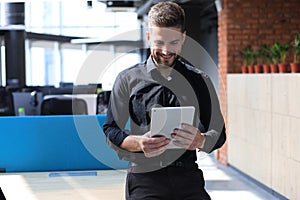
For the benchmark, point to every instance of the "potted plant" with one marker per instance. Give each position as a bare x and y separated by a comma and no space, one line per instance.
282,50
244,56
274,50
266,58
295,65
251,61
248,59
259,60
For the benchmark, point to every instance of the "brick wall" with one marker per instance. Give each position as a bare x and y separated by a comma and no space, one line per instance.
251,22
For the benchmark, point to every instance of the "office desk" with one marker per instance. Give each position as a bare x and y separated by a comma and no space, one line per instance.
55,143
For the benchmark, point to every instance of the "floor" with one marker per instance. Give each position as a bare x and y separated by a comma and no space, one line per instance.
221,183
226,183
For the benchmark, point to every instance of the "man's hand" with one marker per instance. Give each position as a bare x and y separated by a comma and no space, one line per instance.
151,146
188,137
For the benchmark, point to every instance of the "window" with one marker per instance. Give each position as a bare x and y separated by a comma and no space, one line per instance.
49,64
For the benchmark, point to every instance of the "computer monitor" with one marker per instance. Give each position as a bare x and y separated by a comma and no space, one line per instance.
30,101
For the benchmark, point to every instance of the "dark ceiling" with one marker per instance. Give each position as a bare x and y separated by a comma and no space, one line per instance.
207,7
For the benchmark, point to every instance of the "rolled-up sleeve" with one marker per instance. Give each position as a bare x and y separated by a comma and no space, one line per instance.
216,132
117,114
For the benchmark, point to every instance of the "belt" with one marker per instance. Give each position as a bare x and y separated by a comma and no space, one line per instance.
173,164
162,164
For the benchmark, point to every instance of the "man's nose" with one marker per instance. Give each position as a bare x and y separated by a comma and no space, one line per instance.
164,51
167,49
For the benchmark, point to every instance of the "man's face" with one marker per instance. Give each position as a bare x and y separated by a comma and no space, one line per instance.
165,45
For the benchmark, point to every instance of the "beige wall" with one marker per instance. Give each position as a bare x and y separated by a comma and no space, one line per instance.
264,129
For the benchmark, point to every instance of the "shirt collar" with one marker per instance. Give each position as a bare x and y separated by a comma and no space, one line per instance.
150,65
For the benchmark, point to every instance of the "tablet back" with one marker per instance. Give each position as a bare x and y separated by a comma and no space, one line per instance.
165,119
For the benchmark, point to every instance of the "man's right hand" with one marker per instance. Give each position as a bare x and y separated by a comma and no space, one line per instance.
151,146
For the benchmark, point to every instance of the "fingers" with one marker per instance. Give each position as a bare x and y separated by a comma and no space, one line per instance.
189,128
155,152
154,143
187,137
188,142
154,146
184,133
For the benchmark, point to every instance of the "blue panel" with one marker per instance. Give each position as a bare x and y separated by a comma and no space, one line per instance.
59,174
54,143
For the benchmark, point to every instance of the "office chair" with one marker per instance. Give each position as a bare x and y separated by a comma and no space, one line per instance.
64,106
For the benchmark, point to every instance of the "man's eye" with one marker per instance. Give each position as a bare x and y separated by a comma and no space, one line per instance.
159,43
175,42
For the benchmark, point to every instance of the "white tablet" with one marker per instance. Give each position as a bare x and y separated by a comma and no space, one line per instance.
165,119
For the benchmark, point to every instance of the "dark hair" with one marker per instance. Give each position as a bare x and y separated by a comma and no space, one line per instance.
167,14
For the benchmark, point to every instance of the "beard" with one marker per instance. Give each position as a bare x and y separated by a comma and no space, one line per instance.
165,61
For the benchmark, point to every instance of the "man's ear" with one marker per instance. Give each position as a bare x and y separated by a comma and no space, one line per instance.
183,36
148,37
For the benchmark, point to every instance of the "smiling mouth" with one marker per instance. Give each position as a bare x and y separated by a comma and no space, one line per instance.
167,57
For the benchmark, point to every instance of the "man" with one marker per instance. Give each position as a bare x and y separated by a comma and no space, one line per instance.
164,80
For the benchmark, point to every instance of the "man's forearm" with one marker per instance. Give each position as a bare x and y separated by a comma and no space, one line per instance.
214,140
131,143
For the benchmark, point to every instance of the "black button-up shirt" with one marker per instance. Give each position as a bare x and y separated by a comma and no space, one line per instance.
141,87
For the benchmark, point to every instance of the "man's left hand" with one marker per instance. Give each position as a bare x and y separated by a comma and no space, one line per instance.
188,137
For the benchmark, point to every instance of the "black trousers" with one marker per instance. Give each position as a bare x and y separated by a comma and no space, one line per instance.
169,183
